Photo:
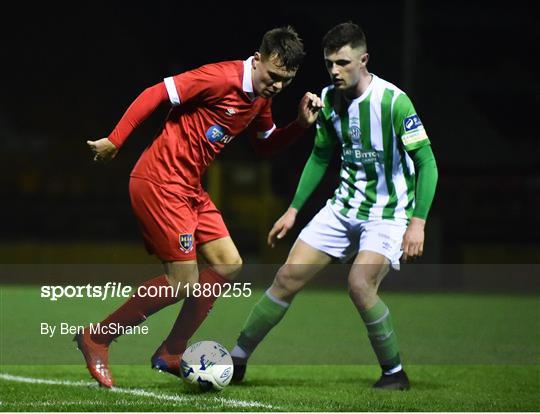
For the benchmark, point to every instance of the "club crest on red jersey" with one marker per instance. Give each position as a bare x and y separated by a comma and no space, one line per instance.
186,242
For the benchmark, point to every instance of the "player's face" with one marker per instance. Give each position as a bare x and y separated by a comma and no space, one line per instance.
269,77
346,66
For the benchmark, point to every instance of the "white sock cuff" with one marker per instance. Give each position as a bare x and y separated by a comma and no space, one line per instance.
276,300
238,352
393,370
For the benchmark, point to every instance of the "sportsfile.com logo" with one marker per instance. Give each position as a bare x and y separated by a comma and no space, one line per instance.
113,290
412,122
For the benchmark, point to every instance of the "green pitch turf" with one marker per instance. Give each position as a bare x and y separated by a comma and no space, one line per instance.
462,352
279,388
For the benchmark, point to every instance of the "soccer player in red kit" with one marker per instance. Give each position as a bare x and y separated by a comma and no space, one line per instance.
210,106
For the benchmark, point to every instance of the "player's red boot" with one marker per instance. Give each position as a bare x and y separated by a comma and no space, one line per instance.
164,361
97,358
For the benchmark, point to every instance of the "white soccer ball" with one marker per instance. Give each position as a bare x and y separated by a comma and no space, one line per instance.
207,365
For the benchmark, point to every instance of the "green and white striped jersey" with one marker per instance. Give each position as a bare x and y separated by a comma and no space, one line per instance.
375,131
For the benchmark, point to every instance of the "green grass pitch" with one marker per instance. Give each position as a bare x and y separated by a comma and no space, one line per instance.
463,352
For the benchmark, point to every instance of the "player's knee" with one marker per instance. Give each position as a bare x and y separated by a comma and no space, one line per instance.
383,272
229,266
238,262
181,273
288,280
361,287
234,265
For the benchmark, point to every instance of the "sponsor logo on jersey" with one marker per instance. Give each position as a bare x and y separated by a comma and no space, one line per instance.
414,131
414,137
186,242
217,133
412,122
230,111
358,156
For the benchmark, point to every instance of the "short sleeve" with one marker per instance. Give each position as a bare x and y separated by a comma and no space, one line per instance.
263,124
194,85
407,125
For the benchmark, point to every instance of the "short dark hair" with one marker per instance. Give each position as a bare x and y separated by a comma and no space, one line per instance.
344,34
285,44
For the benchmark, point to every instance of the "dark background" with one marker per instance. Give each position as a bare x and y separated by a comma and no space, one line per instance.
70,72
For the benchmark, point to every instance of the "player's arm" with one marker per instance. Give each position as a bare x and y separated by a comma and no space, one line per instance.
143,106
193,85
312,175
426,183
416,142
268,140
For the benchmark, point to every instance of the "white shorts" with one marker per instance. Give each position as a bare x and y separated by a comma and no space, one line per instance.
342,237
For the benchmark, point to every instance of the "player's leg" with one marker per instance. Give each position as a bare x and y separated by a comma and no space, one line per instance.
368,270
182,274
223,264
303,263
180,268
170,288
322,239
222,256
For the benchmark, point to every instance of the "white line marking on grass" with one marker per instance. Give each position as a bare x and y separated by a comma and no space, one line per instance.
72,403
141,393
29,380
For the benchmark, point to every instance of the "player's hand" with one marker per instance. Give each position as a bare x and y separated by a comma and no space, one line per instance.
308,109
413,239
282,226
103,150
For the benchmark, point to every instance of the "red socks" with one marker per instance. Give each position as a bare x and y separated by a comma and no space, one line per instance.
136,310
193,313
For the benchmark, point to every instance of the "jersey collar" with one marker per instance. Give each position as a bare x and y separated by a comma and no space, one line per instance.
247,81
366,92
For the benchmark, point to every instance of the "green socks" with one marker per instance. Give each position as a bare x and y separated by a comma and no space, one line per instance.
382,337
268,311
266,314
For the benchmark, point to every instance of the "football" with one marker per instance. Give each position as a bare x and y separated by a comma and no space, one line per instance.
207,365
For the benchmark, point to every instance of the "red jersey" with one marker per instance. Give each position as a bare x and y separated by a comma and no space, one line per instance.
211,105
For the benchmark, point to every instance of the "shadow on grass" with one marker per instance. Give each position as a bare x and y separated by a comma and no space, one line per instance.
363,382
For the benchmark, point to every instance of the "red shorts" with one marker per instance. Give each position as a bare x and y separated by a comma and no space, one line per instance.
172,224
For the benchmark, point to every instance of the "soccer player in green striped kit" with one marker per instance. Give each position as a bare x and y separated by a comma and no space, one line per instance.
378,212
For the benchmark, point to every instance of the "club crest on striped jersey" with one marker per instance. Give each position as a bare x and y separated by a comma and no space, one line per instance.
354,127
412,122
186,242
355,132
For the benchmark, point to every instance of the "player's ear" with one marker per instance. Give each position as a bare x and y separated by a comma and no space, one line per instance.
365,59
256,58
